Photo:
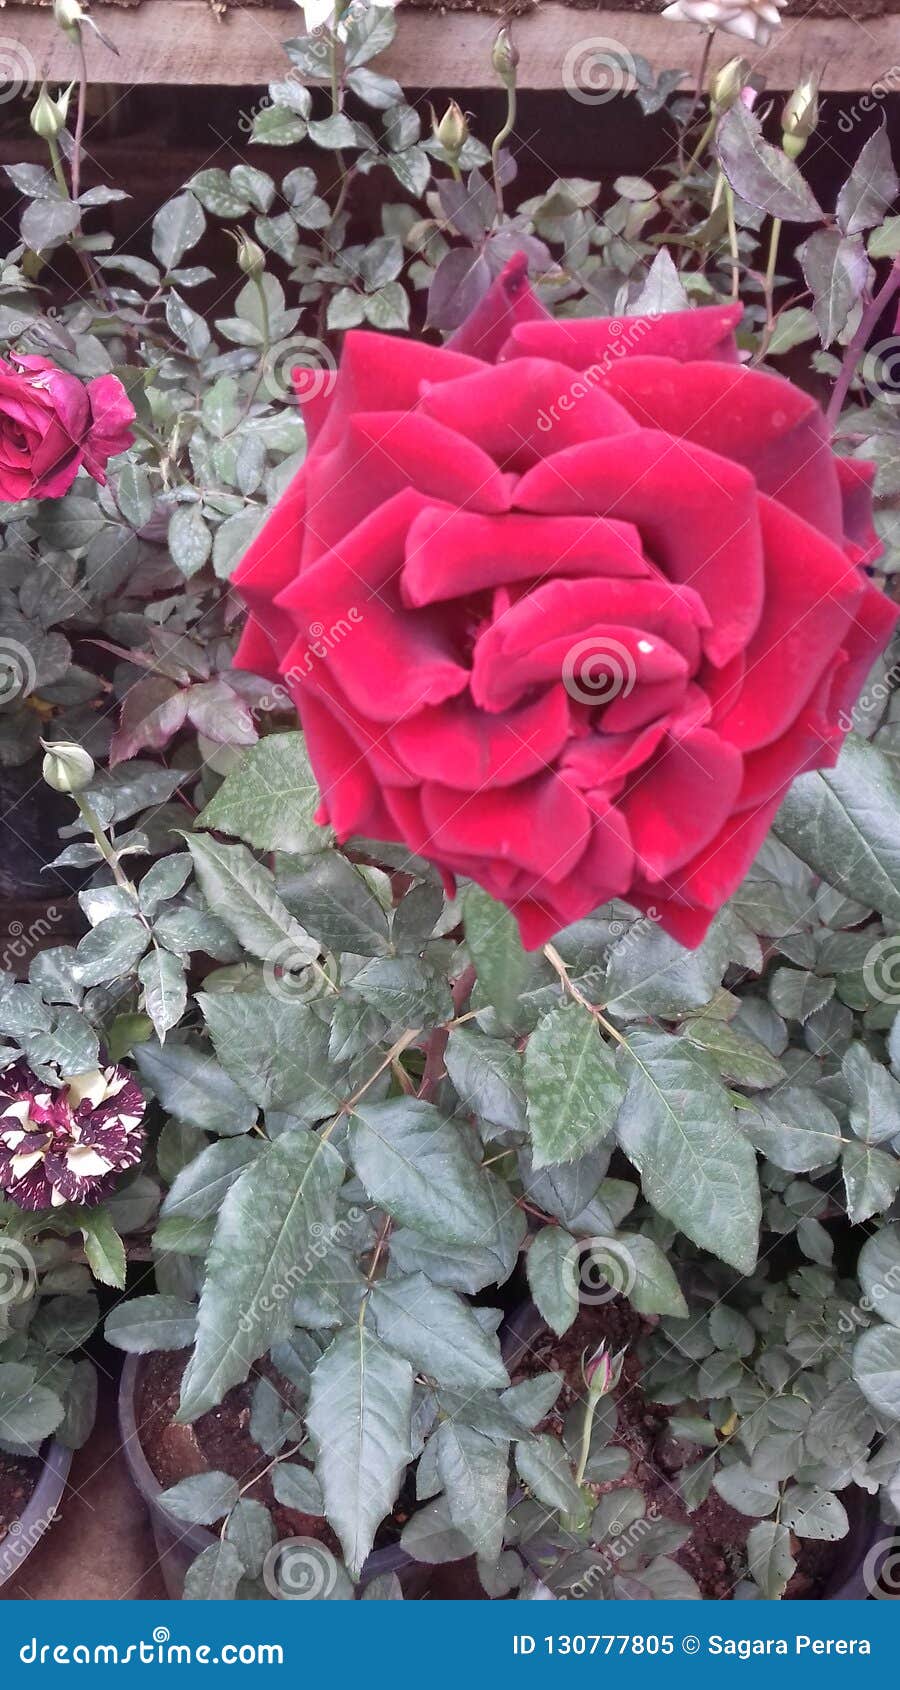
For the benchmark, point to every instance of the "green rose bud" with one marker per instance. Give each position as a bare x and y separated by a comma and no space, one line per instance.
505,57
69,16
67,767
452,132
48,116
727,83
800,116
251,258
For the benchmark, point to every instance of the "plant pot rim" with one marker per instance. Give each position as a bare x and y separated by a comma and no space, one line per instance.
846,1582
197,1538
40,1510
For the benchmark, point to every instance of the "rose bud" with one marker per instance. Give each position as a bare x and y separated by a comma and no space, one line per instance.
505,57
67,767
250,257
452,132
727,83
67,1144
800,116
603,1371
48,116
69,16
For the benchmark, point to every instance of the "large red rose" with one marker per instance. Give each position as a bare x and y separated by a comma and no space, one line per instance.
565,606
51,424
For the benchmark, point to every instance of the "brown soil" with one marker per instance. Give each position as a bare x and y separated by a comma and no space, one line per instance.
219,1441
714,1556
18,1476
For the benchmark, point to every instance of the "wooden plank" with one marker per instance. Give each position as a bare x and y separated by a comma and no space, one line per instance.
182,42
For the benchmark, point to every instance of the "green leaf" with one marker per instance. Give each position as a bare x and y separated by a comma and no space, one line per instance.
191,1085
492,937
552,1268
488,1076
276,1049
649,973
269,798
796,994
871,1179
144,1324
741,1059
47,223
405,990
760,173
334,903
835,269
874,1096
265,1224
80,1404
748,1492
437,1333
251,1531
654,1288
273,126
133,495
812,1513
177,226
769,1558
431,1537
474,1472
165,989
876,1369
845,823
297,1487
190,541
112,949
544,1467
572,1086
215,1575
871,187
103,1248
878,1268
29,1415
414,1163
215,191
197,1191
201,1499
359,1417
678,1128
242,893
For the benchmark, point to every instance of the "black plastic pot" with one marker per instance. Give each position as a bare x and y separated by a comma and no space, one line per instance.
179,1545
846,1582
39,1512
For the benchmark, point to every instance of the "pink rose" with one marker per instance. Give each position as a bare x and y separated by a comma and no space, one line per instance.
51,424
